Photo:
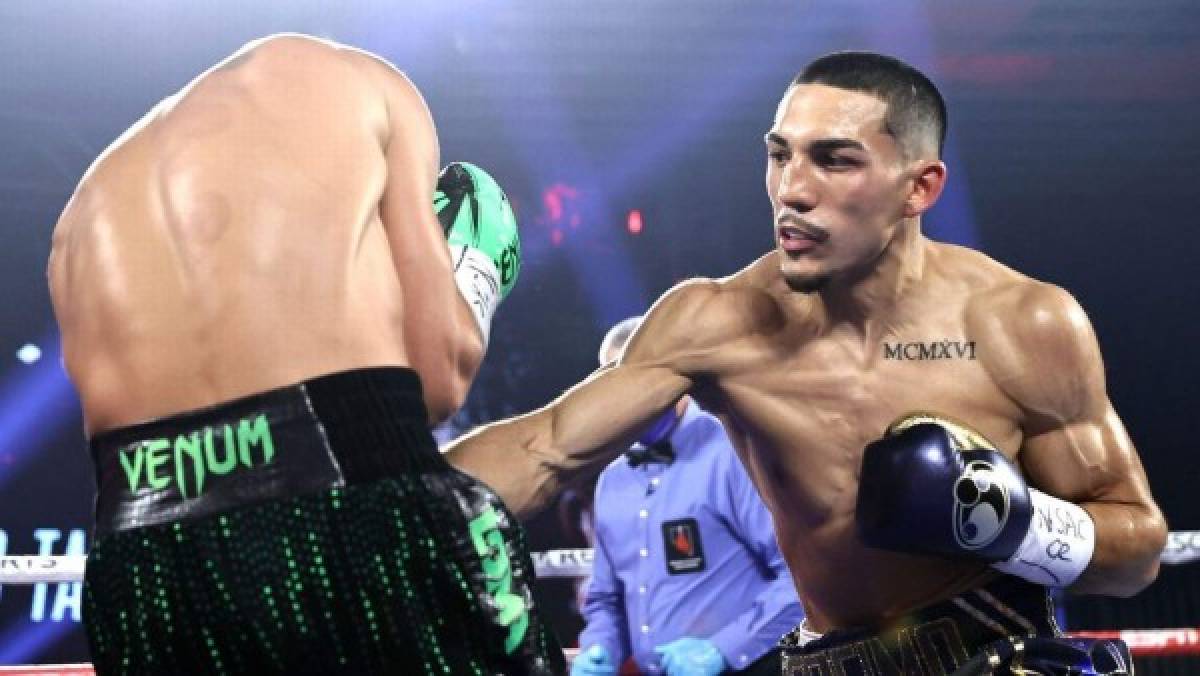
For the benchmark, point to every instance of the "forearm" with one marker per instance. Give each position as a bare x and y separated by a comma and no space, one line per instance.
1129,539
519,459
513,458
528,459
441,341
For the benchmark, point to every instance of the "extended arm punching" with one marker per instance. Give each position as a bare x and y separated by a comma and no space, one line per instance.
527,459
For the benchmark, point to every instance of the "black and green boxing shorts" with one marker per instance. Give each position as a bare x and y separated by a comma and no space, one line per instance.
312,529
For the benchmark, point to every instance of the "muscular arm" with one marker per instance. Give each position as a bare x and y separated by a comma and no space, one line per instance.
529,458
443,343
1075,446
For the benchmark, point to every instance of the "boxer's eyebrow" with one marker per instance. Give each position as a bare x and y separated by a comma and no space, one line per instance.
831,144
819,145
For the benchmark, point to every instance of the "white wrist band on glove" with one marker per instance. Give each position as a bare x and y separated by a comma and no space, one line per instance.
1058,546
478,281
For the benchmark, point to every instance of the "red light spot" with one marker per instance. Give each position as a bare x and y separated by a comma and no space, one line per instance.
556,236
553,202
634,222
557,199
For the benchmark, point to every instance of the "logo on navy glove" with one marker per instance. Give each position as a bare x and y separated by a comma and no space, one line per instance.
981,506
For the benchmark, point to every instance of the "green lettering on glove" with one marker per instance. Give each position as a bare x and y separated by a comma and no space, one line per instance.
481,231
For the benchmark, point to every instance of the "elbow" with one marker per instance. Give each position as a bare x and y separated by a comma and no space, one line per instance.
1129,562
1145,564
1156,537
446,390
1136,580
548,475
444,401
1148,575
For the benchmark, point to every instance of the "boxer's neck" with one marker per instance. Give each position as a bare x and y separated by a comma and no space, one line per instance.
871,300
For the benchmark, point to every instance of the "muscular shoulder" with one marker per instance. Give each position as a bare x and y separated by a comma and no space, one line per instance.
296,47
1039,346
699,318
313,54
285,51
398,111
407,111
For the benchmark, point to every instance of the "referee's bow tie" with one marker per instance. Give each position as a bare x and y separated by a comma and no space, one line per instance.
660,452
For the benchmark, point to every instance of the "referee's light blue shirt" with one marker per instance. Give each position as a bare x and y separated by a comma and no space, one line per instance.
686,550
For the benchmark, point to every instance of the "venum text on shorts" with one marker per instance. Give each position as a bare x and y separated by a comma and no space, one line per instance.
185,461
930,350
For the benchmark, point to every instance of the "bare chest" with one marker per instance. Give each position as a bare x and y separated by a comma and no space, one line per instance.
802,418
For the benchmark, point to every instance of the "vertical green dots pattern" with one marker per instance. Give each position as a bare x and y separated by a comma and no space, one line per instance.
363,579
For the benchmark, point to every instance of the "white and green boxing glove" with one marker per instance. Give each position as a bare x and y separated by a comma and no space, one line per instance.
481,232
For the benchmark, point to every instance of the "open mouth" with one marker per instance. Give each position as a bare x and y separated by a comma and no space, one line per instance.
794,239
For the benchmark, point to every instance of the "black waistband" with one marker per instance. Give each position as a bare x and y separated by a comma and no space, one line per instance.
330,431
936,639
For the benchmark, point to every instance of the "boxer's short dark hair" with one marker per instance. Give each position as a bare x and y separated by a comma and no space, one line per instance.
916,111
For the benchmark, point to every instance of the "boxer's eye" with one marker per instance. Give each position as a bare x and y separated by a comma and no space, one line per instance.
837,160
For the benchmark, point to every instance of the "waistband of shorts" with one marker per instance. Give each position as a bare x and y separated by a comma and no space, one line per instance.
329,431
932,638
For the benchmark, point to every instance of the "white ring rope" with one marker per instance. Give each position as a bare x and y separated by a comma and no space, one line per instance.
1182,547
63,569
34,569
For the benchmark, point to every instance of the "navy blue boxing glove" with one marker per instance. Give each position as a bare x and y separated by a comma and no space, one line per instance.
935,486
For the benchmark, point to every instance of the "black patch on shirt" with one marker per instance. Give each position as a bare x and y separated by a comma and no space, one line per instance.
681,542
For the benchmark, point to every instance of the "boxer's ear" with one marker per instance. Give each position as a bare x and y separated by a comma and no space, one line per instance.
927,179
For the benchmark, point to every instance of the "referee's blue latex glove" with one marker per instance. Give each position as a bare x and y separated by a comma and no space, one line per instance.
691,657
595,661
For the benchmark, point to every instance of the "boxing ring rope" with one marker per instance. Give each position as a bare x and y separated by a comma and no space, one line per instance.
1182,547
37,569
556,563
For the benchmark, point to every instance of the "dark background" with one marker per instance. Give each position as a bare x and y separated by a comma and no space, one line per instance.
1073,157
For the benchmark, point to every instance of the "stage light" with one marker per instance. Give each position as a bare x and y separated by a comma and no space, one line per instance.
634,222
29,353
